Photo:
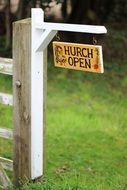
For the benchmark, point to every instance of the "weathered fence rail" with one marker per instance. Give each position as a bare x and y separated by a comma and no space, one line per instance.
4,179
6,67
6,133
6,163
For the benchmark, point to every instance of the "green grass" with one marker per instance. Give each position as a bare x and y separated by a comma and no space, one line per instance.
86,135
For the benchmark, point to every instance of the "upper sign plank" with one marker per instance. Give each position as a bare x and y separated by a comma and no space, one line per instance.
82,57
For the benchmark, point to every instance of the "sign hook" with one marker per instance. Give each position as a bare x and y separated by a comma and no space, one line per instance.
94,40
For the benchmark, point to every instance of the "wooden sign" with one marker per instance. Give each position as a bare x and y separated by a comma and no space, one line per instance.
78,56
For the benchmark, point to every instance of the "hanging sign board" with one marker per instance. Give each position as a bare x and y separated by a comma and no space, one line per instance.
78,56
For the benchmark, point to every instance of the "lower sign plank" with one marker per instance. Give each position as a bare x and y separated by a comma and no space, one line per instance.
78,56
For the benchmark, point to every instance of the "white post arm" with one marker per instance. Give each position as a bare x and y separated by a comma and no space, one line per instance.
92,29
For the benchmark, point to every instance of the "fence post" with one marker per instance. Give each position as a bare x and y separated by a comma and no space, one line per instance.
22,99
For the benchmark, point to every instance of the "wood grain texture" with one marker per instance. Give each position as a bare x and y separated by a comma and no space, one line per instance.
22,99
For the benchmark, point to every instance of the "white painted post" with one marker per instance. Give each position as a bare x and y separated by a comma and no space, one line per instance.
37,86
36,101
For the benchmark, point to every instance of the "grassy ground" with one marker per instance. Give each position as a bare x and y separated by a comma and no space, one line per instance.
86,136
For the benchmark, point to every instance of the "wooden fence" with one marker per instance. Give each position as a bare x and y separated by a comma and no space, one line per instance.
20,68
6,68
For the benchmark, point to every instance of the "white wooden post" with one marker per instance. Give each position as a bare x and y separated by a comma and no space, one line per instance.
37,86
36,102
42,34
